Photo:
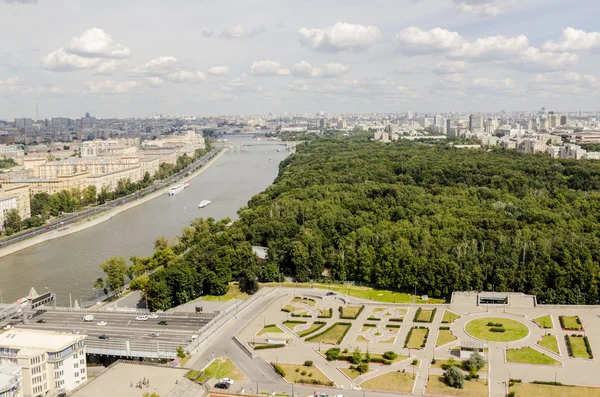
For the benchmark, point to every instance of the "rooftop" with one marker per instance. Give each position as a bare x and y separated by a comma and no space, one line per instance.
38,340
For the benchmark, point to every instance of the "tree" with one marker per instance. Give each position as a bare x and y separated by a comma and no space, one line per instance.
474,363
248,283
356,357
116,270
454,377
148,394
99,283
362,368
12,221
90,195
180,352
161,243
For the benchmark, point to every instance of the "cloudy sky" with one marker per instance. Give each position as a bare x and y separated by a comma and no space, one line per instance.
208,57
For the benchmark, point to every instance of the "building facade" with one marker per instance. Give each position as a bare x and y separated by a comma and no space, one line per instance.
11,380
51,362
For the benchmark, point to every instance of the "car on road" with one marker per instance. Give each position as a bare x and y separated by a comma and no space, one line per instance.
76,332
163,322
226,380
41,321
155,334
141,318
221,385
330,293
102,323
105,337
153,316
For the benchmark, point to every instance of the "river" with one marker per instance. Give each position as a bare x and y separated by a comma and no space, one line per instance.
70,264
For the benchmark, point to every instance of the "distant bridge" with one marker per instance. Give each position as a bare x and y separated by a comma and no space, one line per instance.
240,147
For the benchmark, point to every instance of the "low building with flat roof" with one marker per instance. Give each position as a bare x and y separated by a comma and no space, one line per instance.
51,362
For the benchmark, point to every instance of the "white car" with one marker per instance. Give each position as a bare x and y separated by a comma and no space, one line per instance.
155,334
226,380
76,332
153,316
102,323
141,318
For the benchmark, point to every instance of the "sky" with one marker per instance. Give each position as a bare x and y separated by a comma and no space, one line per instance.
134,58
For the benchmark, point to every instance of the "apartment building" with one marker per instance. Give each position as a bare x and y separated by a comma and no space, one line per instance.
51,362
15,196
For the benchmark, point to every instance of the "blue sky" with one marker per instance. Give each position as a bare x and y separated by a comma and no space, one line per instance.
135,58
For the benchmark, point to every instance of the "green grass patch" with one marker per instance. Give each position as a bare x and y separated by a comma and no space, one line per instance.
527,355
571,323
395,329
445,336
310,302
577,347
272,328
391,381
514,330
544,322
350,312
192,375
424,315
233,293
449,317
537,390
416,338
317,377
224,368
317,325
352,373
332,335
472,388
550,342
458,363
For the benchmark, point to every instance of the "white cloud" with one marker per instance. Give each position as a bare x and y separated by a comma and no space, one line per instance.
218,70
62,61
183,76
340,37
109,67
485,83
493,47
112,87
96,43
238,32
480,87
533,60
410,69
269,68
451,67
239,84
154,81
11,81
330,69
362,88
160,65
573,40
486,8
413,40
562,84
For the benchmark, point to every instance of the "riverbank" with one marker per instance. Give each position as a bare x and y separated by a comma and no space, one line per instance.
100,217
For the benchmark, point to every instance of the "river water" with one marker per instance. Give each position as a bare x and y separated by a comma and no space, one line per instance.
70,264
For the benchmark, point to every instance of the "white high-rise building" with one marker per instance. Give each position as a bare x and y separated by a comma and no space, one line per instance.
51,362
11,381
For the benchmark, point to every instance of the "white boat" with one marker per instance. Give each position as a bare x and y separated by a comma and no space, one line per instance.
204,203
175,189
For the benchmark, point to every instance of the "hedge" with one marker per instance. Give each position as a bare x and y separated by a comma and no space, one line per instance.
294,322
302,334
278,369
491,324
330,314
588,347
497,329
275,346
541,382
302,315
321,333
444,328
398,320
270,325
373,319
392,326
562,324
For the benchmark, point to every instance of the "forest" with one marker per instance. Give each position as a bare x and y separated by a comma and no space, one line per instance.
410,213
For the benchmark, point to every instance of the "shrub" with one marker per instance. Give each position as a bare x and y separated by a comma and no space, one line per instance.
275,346
297,369
303,373
374,319
433,361
415,362
444,328
511,394
454,377
491,324
541,382
346,350
286,310
270,325
333,353
497,329
356,356
588,347
515,380
474,363
390,355
398,320
362,368
310,374
278,369
308,363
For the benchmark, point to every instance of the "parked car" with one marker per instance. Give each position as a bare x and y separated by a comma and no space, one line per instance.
102,323
163,322
141,318
155,334
226,380
41,321
153,316
221,385
105,337
76,332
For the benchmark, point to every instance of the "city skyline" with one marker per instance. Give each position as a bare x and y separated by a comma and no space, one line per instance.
135,59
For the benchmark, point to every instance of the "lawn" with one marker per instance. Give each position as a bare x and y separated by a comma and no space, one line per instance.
223,368
350,311
571,323
331,335
361,292
309,302
233,293
424,316
314,327
550,342
533,390
289,308
472,388
392,329
445,336
270,329
389,340
367,327
296,377
514,330
352,373
527,355
417,338
391,381
544,322
360,338
449,317
578,349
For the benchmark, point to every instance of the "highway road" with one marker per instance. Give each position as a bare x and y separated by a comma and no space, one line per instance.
122,326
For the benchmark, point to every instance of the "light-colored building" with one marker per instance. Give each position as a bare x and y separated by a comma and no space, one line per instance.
192,139
168,156
50,186
111,179
110,147
20,193
6,204
571,151
11,380
476,123
51,362
531,146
